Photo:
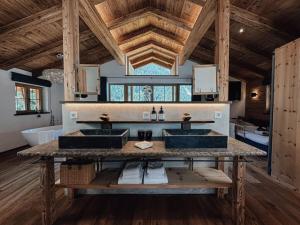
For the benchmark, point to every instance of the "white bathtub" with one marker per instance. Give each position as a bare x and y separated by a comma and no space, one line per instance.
42,135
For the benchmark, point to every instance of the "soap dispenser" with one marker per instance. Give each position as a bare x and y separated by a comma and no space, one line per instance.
153,115
161,114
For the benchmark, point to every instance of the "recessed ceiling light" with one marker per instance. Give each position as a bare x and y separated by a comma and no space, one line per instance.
241,30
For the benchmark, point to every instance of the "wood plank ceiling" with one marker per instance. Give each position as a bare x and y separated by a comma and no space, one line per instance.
137,23
148,31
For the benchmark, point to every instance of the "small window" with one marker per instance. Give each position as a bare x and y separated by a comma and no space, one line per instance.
28,99
152,69
116,93
185,93
138,93
164,93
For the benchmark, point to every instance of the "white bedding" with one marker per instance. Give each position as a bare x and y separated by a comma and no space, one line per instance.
264,140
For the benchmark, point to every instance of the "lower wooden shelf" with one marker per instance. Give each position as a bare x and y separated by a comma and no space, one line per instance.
179,178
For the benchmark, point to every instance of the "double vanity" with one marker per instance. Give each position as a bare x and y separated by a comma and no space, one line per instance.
117,138
86,145
197,155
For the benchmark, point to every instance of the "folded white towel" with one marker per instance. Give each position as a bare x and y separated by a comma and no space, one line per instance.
131,174
161,180
155,174
132,169
136,180
143,145
155,169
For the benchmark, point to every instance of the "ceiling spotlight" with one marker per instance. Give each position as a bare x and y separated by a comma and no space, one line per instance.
241,30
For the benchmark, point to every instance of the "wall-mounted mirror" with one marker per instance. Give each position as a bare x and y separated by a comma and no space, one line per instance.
88,82
205,80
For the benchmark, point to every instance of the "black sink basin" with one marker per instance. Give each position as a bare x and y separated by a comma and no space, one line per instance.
95,138
103,132
194,138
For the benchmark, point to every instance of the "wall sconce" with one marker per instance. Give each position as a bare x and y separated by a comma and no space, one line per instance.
253,95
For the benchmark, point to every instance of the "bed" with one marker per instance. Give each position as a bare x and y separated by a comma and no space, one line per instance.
253,135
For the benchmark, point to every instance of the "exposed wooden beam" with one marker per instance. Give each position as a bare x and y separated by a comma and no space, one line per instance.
149,11
146,60
202,24
234,63
199,2
71,52
152,61
258,22
238,46
222,27
96,2
235,70
170,18
152,50
135,35
53,47
93,20
85,58
254,21
151,55
150,44
31,22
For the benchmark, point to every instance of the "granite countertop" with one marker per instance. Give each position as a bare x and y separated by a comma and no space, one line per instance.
235,148
145,121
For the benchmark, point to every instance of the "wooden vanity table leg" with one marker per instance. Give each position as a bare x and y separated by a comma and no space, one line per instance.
220,166
71,194
47,183
238,190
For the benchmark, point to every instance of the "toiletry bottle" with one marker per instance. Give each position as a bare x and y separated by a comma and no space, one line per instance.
153,115
161,114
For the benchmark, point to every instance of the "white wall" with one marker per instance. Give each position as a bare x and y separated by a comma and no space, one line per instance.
116,74
11,125
134,111
237,108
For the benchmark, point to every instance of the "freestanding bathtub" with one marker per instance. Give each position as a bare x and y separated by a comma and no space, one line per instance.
42,135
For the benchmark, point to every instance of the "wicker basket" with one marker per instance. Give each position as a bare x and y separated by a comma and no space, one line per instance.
77,172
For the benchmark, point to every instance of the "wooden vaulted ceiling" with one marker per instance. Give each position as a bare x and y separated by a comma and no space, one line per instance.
135,24
147,31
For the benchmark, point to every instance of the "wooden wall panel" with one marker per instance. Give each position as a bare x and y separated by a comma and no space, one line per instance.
286,123
256,107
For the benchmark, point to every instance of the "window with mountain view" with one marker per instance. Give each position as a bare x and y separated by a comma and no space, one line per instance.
152,69
150,92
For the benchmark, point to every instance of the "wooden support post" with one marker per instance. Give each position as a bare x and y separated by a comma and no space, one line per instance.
47,183
70,12
222,27
221,166
238,191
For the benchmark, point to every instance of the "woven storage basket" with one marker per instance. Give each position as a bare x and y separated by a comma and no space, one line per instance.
77,172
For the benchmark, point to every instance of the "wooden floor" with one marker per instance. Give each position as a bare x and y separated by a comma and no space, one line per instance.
268,203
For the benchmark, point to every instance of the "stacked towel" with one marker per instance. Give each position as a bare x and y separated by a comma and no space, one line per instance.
131,174
155,174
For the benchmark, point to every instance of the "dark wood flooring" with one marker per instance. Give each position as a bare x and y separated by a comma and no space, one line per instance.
268,203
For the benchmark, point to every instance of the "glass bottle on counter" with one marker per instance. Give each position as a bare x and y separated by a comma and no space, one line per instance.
161,114
153,115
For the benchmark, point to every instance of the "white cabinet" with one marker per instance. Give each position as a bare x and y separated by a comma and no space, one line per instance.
89,79
205,80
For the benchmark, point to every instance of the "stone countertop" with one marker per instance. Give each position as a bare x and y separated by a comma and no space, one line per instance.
145,121
235,148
